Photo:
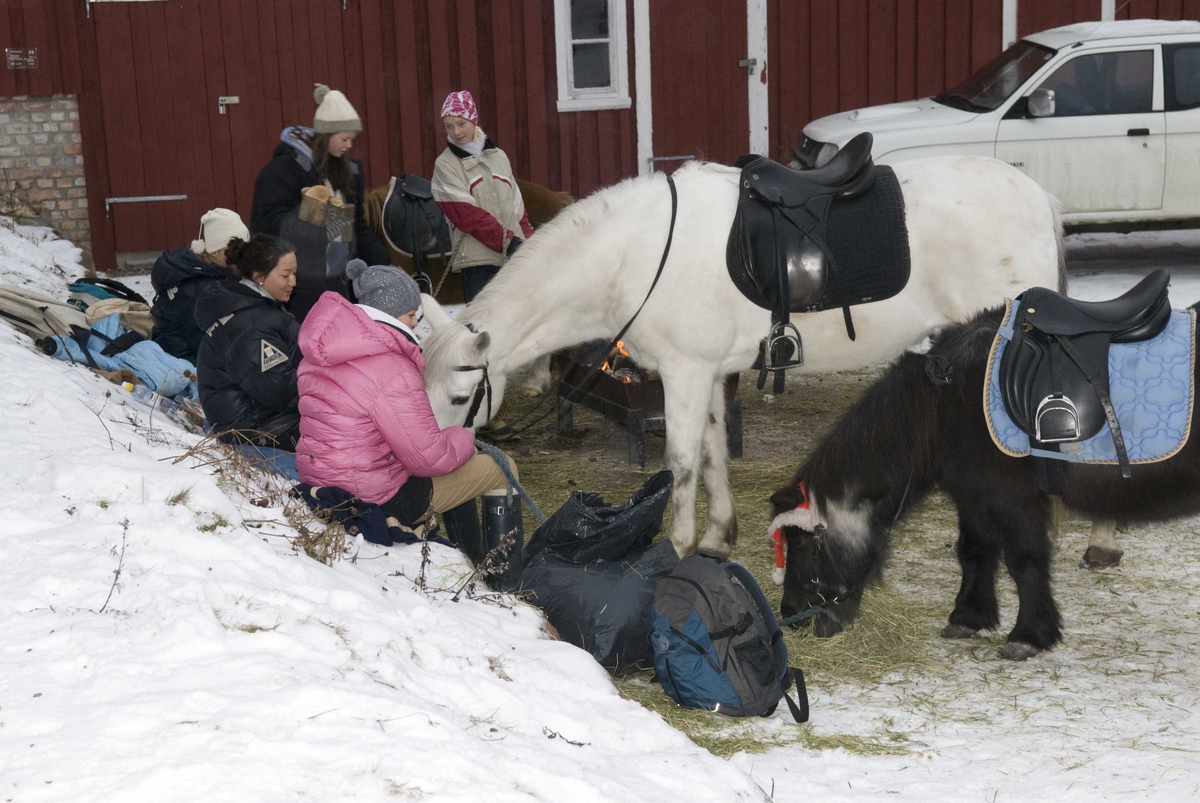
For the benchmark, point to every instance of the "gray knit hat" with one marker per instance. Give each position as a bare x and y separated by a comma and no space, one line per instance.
383,287
334,112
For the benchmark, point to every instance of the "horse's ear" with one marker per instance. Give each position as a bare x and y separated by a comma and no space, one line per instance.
787,498
434,313
482,341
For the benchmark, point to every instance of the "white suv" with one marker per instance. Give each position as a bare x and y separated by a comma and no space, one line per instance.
1105,116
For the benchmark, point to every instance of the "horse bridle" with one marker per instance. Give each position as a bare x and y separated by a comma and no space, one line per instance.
828,606
483,389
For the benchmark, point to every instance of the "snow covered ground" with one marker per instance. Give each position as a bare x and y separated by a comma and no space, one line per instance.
220,664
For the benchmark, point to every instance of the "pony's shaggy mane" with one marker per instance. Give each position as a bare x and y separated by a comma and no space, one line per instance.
896,417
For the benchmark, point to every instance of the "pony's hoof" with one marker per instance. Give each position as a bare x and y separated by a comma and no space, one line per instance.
958,631
1018,651
531,393
1099,557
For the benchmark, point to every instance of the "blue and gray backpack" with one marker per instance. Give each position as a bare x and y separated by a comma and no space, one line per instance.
716,642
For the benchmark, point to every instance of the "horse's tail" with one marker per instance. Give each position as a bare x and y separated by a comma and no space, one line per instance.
1056,213
373,208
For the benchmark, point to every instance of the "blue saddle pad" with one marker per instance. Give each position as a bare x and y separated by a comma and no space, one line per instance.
1152,386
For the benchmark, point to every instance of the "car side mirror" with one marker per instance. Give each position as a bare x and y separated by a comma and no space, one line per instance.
1041,103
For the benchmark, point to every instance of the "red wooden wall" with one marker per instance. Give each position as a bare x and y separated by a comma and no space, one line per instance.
395,60
827,57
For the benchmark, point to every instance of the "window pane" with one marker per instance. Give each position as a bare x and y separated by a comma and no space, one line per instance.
591,66
589,19
1187,76
1106,83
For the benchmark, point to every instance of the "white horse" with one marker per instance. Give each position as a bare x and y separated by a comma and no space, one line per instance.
979,231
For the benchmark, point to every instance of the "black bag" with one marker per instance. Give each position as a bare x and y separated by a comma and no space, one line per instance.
592,570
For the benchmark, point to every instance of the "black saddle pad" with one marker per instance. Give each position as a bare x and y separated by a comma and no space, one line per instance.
412,222
865,234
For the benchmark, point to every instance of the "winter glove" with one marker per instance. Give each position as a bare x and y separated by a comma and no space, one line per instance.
513,245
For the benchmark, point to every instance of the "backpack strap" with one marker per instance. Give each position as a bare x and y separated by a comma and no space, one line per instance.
787,675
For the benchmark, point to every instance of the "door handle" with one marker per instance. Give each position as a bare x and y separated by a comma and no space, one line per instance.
1138,132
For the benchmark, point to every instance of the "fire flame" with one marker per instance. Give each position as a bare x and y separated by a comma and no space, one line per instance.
607,366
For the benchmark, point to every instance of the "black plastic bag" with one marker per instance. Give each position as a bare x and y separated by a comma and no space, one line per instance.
593,571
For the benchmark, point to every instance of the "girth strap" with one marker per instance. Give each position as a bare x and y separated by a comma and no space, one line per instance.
1098,384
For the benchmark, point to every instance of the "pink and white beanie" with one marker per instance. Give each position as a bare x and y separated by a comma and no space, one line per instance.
461,104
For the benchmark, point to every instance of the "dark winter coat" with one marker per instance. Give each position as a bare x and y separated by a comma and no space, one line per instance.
277,195
247,363
179,278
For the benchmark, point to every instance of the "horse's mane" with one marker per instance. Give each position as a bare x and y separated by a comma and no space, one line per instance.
551,239
895,421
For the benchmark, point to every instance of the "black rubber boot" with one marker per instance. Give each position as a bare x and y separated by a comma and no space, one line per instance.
462,527
501,518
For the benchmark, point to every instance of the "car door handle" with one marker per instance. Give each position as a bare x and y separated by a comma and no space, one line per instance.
1138,132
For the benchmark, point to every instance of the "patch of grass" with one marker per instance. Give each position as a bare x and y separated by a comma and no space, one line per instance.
179,498
217,522
724,736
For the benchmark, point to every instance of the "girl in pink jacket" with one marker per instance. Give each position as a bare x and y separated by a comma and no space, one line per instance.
366,425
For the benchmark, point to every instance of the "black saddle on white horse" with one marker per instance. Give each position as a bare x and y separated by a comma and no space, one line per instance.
811,240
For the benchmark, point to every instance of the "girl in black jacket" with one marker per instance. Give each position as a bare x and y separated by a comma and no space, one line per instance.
181,276
248,355
307,157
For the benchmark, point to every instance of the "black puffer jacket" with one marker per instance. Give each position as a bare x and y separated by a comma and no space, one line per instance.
276,210
179,277
247,363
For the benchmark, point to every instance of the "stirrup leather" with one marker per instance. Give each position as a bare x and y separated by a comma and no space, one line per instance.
783,349
1056,420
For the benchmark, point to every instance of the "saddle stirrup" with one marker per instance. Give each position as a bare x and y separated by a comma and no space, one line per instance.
785,349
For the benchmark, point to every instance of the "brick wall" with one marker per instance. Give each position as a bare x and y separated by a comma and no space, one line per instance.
41,158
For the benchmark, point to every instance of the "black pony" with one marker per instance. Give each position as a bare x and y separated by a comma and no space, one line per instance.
910,432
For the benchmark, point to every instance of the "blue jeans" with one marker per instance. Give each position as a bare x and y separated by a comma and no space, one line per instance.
475,278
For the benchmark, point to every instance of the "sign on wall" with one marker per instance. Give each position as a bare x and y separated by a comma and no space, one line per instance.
21,58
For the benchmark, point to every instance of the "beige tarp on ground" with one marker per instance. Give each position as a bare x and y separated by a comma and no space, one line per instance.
134,314
37,315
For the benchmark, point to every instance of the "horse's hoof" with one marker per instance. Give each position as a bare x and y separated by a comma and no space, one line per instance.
958,631
1099,557
531,393
1018,651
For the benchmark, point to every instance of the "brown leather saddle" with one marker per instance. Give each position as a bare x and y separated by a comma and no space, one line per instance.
1054,373
778,253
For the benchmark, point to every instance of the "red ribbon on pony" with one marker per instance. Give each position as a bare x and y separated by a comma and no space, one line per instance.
801,516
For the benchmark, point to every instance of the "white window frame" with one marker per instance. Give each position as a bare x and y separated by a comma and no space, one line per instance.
616,96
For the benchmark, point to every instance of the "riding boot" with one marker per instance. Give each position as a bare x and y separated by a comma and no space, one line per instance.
504,536
462,527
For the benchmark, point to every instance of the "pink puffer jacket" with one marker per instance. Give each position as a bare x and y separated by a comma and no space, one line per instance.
365,421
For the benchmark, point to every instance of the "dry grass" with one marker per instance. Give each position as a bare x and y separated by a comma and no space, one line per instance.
321,538
897,626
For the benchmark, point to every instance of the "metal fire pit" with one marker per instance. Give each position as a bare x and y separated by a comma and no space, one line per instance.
638,406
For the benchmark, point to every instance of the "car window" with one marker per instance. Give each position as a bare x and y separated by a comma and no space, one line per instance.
991,84
1182,67
1104,83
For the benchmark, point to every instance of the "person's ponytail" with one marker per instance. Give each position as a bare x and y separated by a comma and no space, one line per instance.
255,258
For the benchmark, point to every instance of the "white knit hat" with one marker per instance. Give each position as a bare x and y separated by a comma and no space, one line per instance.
217,228
334,112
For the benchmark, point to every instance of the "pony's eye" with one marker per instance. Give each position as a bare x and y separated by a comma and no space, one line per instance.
460,400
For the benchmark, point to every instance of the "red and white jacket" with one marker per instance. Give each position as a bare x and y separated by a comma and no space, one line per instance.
480,198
